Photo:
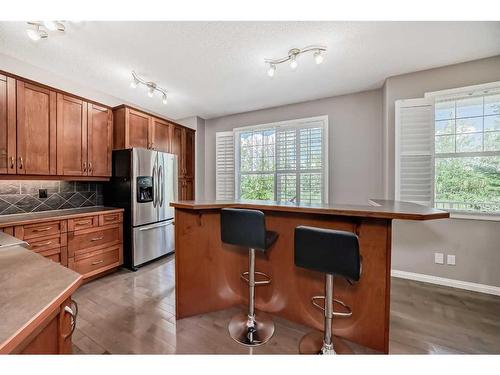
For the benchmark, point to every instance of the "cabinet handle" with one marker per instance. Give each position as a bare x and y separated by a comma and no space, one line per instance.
74,314
12,162
83,222
97,238
85,166
42,244
110,218
90,167
97,262
41,229
20,162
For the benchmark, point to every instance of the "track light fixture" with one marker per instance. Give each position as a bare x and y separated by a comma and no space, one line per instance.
319,52
38,29
152,86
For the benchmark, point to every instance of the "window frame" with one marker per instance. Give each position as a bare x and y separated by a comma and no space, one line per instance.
474,90
299,123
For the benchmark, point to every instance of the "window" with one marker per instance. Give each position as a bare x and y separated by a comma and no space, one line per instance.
448,150
467,152
283,161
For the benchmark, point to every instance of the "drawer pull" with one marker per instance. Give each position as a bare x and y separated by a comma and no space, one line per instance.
73,313
83,222
42,229
42,244
110,218
97,262
97,238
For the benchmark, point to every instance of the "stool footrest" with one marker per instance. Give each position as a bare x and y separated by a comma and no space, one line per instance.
267,278
345,314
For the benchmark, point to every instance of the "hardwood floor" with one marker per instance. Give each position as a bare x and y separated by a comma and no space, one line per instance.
133,313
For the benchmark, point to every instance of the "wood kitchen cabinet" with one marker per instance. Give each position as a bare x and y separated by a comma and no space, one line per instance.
36,130
161,135
46,132
8,155
186,189
183,145
71,136
100,140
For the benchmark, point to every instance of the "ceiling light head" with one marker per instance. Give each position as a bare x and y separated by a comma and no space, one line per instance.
36,33
293,62
318,57
135,81
271,70
50,25
164,98
151,89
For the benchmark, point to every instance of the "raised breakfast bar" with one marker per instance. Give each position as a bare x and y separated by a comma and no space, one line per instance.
208,272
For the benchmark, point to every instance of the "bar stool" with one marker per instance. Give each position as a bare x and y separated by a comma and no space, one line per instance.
247,228
335,253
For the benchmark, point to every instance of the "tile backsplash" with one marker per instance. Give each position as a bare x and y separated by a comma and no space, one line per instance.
18,197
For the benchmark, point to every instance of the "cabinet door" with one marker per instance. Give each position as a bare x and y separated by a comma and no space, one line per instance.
138,128
160,135
36,130
100,139
186,186
176,148
188,144
8,157
71,136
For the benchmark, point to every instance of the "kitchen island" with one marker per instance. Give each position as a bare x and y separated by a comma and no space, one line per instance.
208,272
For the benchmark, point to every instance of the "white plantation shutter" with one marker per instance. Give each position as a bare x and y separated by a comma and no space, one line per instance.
224,169
414,153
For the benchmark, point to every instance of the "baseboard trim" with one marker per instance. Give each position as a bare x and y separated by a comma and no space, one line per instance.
475,287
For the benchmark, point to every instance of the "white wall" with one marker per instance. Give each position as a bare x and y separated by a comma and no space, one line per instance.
475,243
355,142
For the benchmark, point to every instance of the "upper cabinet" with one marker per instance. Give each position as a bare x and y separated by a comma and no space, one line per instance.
161,135
44,132
100,140
8,154
36,130
71,136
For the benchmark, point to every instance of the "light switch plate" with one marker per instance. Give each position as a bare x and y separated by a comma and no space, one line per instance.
450,260
439,258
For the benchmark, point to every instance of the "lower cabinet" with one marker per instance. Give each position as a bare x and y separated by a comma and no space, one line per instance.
53,336
88,244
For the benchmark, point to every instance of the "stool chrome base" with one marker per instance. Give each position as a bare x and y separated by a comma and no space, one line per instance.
251,332
313,343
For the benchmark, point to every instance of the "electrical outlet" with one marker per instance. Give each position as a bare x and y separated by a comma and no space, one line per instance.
450,260
42,193
439,258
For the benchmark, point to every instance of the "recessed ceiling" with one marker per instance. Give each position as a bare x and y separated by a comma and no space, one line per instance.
217,68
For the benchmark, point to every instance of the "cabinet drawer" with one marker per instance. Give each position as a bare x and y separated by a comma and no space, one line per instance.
58,255
96,260
88,239
83,223
42,229
40,244
111,218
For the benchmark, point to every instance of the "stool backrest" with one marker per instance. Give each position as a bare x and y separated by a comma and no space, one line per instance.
243,227
329,251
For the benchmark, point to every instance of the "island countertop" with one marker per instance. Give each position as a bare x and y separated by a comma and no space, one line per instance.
31,288
375,208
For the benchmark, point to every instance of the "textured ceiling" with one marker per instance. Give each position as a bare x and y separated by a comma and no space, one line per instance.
216,68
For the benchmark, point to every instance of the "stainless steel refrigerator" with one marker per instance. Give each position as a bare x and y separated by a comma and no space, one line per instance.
144,182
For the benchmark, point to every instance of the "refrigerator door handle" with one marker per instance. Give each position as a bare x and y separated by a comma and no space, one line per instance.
161,178
155,189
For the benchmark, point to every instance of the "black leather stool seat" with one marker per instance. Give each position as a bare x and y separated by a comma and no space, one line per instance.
329,251
246,228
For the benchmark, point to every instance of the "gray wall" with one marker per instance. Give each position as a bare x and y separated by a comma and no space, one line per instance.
355,142
475,243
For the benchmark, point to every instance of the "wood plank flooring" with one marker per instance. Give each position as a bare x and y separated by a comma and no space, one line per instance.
133,313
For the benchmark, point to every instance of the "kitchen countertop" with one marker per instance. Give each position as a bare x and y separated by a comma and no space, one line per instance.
375,208
31,288
18,219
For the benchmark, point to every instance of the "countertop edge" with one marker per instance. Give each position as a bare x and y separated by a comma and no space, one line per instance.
318,210
61,216
22,333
